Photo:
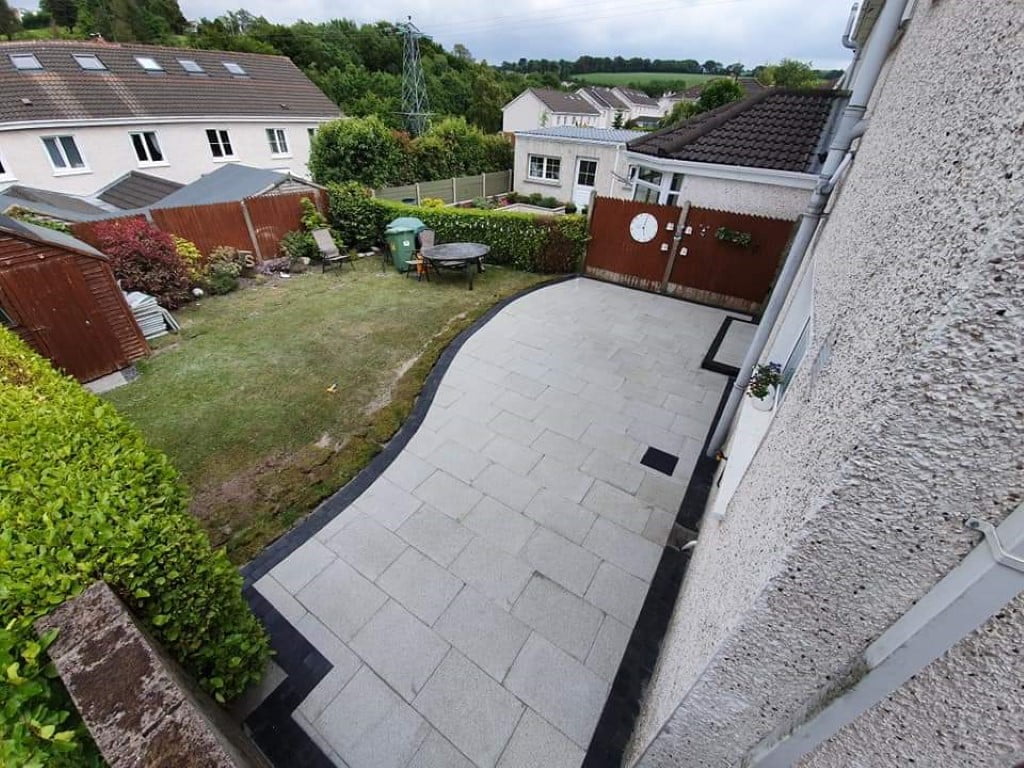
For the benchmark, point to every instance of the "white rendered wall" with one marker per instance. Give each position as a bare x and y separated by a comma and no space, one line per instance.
523,113
108,153
903,419
609,159
744,197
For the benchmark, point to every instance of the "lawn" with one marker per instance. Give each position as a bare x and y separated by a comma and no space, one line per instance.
273,397
632,78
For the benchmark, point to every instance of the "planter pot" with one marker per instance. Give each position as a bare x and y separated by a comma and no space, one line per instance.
765,403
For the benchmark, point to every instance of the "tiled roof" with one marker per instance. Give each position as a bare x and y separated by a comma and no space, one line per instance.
779,129
564,102
605,97
137,190
639,98
749,85
62,90
603,135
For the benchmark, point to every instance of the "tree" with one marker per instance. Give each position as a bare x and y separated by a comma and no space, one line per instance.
618,120
683,110
735,69
790,73
712,67
718,92
359,149
462,52
9,22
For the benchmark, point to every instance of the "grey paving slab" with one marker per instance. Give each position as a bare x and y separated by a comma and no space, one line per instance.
387,504
618,506
511,455
617,593
472,433
561,689
516,428
562,617
501,526
458,460
392,742
614,471
538,744
613,442
492,571
662,492
280,598
524,385
326,691
559,477
437,752
559,559
448,494
299,568
420,584
361,705
489,636
566,450
567,423
561,515
470,709
438,536
659,526
339,521
520,405
367,546
342,599
631,552
319,740
506,486
329,644
609,645
402,650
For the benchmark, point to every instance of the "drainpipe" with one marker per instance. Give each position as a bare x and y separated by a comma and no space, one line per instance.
851,125
980,586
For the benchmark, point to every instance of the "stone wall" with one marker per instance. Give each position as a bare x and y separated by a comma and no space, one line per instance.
903,419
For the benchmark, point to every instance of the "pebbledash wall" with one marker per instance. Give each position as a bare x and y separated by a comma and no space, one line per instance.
108,153
902,420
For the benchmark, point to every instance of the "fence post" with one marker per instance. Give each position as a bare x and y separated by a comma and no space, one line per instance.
419,200
252,231
483,185
455,191
677,241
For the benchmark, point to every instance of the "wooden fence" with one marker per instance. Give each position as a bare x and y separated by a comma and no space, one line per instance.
457,190
255,224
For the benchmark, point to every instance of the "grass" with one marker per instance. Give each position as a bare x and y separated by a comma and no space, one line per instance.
272,398
642,78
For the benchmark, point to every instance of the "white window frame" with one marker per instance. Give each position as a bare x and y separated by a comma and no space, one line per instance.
149,162
544,178
7,174
78,57
149,64
38,64
278,140
237,71
223,137
198,67
579,167
67,169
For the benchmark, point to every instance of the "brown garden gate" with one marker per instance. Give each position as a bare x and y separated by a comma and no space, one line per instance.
701,264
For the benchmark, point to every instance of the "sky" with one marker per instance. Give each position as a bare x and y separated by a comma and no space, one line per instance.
750,31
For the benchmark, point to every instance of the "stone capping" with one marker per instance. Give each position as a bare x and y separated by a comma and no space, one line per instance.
139,706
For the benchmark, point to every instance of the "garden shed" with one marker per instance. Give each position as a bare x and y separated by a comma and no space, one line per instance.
60,296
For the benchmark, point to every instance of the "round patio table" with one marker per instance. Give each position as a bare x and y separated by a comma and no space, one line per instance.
458,256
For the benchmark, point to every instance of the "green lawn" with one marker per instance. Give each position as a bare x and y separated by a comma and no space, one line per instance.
240,401
627,78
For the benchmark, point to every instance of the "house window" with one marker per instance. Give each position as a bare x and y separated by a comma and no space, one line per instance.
63,153
647,187
149,64
674,187
312,133
220,143
147,148
191,66
799,350
545,168
89,61
587,173
278,141
234,69
25,61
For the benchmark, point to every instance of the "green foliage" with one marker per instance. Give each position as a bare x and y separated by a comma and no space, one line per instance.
82,497
298,245
311,217
194,261
547,244
763,378
432,202
9,21
29,217
63,12
356,149
734,236
789,73
717,93
221,275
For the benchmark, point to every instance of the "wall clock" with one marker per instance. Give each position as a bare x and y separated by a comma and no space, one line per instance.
643,227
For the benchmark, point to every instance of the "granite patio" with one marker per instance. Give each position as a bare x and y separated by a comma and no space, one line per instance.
476,600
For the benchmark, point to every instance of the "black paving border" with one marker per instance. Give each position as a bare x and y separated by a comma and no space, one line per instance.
708,363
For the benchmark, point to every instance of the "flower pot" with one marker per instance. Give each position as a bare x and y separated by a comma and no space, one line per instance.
765,403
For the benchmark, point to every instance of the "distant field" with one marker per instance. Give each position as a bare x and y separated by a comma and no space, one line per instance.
625,78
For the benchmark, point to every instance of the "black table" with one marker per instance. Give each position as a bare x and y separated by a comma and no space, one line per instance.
457,256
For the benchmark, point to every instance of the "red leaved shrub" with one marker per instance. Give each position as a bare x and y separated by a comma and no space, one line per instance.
145,259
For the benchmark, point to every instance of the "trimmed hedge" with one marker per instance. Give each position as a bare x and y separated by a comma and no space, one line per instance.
546,244
82,497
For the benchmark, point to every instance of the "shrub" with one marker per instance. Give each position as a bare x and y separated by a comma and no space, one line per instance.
145,259
535,198
194,261
82,497
484,204
570,207
359,149
223,270
311,217
549,202
297,245
355,215
433,202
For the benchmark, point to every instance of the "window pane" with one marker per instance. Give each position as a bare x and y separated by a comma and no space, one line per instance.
650,175
54,152
588,173
282,142
233,68
25,61
211,136
153,146
553,167
677,181
190,66
225,142
89,61
71,152
149,64
536,166
140,148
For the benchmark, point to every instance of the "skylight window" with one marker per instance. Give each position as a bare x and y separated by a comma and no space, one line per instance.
191,66
234,69
149,64
89,61
25,61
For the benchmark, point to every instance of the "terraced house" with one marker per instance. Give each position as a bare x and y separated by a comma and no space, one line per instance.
75,117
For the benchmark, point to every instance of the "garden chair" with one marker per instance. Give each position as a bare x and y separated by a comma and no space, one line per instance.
425,239
329,251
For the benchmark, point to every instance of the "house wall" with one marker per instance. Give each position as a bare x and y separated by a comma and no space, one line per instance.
527,113
902,419
744,197
607,156
108,152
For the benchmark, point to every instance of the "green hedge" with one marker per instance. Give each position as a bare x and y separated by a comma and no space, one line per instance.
82,497
546,244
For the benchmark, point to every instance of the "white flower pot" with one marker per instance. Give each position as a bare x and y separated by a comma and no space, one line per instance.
767,402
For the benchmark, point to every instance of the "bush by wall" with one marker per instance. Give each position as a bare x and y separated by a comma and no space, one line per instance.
548,244
82,497
144,258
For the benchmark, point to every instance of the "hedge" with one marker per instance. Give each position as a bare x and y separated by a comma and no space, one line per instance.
546,244
82,497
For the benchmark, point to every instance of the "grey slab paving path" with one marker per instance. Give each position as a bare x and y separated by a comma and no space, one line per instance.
477,599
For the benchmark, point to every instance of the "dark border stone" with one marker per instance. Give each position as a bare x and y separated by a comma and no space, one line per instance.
659,460
709,363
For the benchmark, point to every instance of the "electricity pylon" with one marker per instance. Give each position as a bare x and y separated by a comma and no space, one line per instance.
415,106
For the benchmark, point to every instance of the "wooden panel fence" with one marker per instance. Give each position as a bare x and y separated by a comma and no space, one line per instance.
457,190
206,225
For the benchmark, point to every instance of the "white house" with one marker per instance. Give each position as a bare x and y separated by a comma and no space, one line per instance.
615,113
544,108
569,163
76,116
644,110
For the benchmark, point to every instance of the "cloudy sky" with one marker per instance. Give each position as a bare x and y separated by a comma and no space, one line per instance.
751,31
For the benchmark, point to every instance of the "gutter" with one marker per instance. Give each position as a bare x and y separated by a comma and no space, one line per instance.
20,125
851,126
980,586
719,171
